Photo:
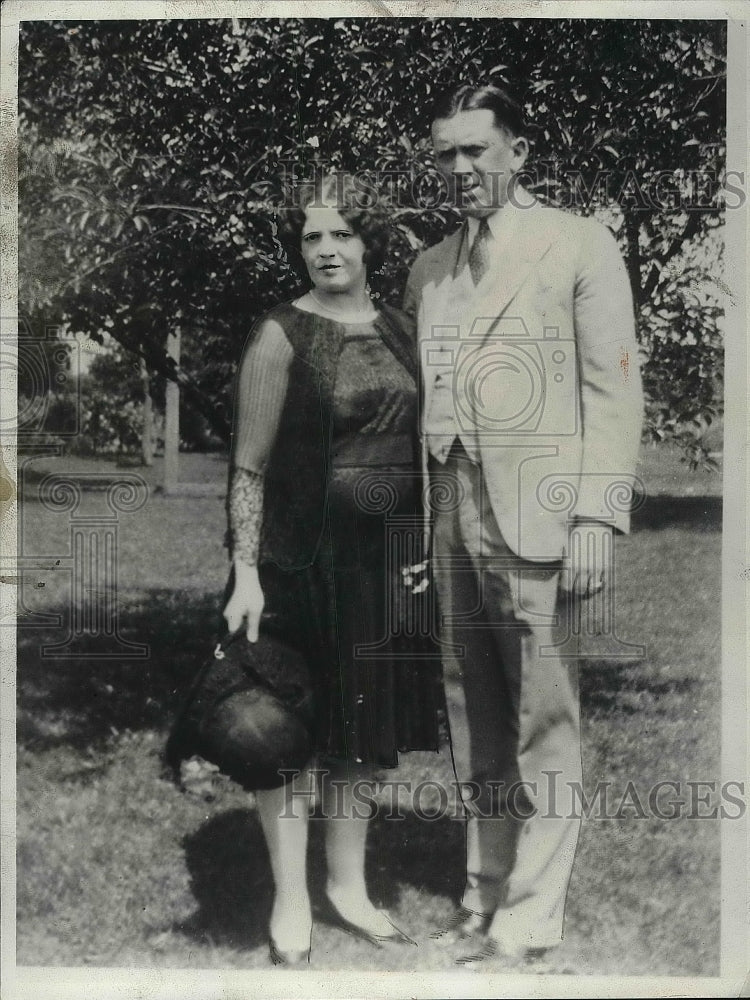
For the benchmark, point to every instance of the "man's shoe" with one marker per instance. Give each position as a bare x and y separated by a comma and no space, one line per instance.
484,948
536,954
488,947
464,923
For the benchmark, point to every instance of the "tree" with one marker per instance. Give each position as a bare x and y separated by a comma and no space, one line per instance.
111,404
170,141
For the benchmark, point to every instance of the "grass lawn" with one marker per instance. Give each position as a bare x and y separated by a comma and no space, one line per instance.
116,867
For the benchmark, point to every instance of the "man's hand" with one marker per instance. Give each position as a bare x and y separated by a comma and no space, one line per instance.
587,561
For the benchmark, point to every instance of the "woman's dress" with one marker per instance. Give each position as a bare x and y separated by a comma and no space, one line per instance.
348,612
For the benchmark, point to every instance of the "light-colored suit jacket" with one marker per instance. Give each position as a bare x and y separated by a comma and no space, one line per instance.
545,369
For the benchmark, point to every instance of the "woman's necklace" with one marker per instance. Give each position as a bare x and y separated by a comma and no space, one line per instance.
339,312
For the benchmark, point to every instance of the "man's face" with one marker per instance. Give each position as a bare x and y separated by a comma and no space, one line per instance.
477,160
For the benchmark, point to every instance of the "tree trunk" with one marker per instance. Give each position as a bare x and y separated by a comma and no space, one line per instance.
632,232
172,421
147,436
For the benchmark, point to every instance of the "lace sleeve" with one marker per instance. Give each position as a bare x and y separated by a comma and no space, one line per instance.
245,514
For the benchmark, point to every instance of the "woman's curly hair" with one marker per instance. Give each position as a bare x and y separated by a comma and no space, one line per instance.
355,200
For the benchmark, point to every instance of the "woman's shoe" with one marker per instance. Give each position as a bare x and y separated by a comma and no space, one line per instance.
280,957
377,940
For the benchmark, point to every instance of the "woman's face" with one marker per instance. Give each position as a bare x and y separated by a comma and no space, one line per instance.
332,251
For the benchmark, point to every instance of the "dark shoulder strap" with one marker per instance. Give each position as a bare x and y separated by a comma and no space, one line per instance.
398,333
293,322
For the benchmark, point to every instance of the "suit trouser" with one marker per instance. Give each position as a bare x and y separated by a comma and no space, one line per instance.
513,713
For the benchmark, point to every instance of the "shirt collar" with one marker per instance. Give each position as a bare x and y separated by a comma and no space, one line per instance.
500,223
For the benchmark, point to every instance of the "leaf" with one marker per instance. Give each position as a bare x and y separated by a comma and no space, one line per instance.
117,166
414,242
84,196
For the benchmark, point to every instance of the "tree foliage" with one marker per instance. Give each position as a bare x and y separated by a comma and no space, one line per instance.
152,151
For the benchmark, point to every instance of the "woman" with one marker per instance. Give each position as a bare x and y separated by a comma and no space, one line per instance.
326,418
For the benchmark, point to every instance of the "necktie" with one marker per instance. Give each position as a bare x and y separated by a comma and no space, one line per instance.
480,255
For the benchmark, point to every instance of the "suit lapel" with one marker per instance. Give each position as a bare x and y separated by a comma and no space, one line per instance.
530,239
438,286
532,234
443,268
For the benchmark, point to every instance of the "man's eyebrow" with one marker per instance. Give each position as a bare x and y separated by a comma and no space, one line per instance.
468,144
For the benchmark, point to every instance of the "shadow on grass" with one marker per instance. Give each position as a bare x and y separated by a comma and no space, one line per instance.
427,855
230,880
615,687
659,511
80,702
232,885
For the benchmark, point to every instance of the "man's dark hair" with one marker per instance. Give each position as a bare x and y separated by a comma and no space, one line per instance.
506,109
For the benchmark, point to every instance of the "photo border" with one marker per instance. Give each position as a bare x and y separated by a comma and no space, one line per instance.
36,983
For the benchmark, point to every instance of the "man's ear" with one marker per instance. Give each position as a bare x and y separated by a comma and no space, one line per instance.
520,147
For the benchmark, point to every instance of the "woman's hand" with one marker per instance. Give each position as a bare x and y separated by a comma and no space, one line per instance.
416,578
246,601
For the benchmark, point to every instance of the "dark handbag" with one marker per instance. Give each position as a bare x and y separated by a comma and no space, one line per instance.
249,711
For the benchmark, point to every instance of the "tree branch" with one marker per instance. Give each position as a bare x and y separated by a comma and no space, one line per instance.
175,208
160,362
113,257
658,261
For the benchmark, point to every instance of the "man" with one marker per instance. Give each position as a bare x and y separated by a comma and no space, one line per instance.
531,418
